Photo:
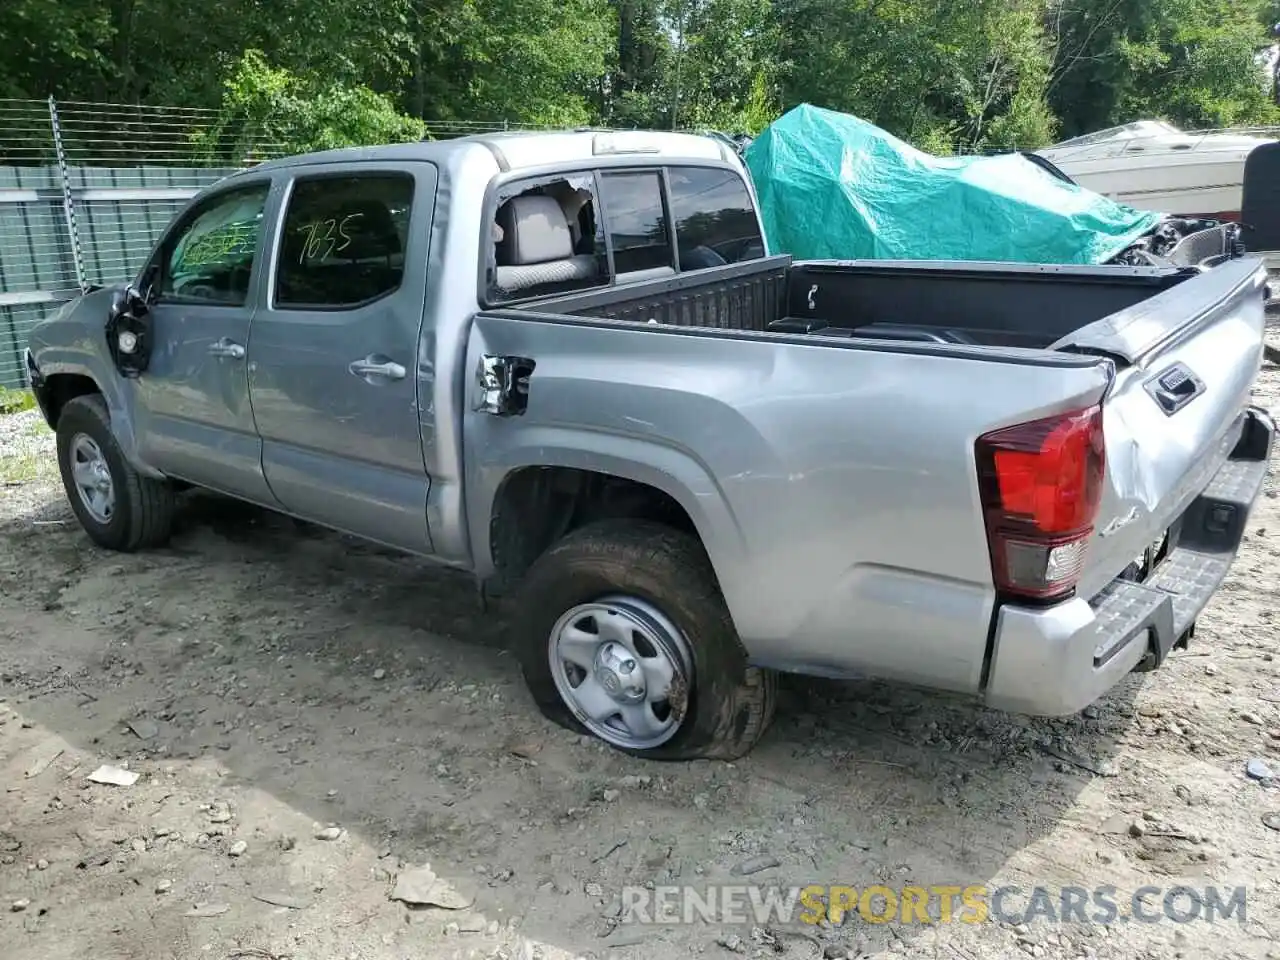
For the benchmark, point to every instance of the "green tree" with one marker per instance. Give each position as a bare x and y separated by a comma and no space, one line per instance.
51,46
526,61
937,72
1192,62
633,94
723,63
945,74
267,111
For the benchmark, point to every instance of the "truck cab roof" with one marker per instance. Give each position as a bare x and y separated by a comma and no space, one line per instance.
525,150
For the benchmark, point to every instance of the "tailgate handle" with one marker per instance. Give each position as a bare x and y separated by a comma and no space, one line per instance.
1174,387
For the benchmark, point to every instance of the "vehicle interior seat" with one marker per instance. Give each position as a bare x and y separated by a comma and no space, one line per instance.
536,248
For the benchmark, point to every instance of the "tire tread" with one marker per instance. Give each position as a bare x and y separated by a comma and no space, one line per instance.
739,698
149,503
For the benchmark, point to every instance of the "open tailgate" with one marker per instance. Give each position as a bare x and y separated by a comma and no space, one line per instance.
1186,363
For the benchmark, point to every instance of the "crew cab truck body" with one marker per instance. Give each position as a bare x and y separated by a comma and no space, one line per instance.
567,363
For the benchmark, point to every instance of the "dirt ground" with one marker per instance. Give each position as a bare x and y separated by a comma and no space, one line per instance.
274,686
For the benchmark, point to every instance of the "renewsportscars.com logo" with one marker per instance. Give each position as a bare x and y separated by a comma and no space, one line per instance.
941,903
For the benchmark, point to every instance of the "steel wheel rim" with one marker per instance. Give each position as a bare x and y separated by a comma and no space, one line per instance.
91,476
624,669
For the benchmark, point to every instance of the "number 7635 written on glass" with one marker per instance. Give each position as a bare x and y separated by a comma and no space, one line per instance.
325,237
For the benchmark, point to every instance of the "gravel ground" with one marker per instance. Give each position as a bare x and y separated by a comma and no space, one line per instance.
311,720
27,462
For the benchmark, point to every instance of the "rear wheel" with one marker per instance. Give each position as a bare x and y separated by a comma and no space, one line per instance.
624,635
118,507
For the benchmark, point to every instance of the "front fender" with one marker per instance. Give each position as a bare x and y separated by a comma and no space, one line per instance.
73,343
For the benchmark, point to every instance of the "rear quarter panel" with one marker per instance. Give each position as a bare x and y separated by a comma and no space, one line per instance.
833,485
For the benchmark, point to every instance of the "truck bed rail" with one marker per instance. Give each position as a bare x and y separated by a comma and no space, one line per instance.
740,296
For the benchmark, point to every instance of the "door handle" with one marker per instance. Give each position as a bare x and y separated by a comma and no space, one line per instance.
375,367
227,348
1174,387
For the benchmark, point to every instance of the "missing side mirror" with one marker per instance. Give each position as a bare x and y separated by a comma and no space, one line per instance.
129,332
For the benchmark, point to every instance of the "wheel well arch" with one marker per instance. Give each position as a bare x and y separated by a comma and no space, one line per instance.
61,388
535,506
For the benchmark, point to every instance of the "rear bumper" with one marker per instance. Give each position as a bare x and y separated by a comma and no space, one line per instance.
1057,660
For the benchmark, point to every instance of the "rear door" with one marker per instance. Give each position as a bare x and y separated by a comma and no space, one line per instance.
333,354
1188,359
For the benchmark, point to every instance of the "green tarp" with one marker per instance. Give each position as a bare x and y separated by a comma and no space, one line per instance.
832,186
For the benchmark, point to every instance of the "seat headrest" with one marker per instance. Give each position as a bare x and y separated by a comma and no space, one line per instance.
534,231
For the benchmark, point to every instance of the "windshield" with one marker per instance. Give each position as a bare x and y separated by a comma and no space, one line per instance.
1129,131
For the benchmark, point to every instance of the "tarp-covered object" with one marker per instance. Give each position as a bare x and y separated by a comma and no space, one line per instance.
832,186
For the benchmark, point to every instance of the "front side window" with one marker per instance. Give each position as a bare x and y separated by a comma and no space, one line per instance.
211,259
343,242
714,216
636,221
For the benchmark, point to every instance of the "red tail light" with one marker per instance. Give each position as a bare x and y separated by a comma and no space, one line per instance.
1041,484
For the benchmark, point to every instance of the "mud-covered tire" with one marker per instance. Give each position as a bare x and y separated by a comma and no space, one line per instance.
729,704
142,514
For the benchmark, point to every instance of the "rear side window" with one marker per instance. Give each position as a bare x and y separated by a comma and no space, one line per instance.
546,238
636,221
344,240
715,219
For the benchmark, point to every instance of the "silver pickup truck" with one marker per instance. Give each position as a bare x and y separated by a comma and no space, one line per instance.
567,363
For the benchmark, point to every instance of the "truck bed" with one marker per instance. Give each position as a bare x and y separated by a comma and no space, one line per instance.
1018,305
850,498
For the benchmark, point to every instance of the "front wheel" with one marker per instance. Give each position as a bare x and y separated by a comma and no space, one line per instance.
624,635
118,507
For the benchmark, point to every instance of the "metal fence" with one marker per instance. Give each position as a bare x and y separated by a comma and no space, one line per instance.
86,189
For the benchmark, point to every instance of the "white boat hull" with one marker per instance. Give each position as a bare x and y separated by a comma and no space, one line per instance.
1153,166
1207,190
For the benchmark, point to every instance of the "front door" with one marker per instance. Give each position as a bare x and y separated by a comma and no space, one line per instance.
333,355
193,412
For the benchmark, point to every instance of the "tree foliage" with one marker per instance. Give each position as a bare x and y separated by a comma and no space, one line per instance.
267,111
935,71
1193,62
971,74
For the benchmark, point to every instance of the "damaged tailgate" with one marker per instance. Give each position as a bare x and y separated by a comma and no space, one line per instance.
1184,461
1139,333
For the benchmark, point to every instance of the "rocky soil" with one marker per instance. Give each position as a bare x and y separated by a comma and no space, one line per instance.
295,725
